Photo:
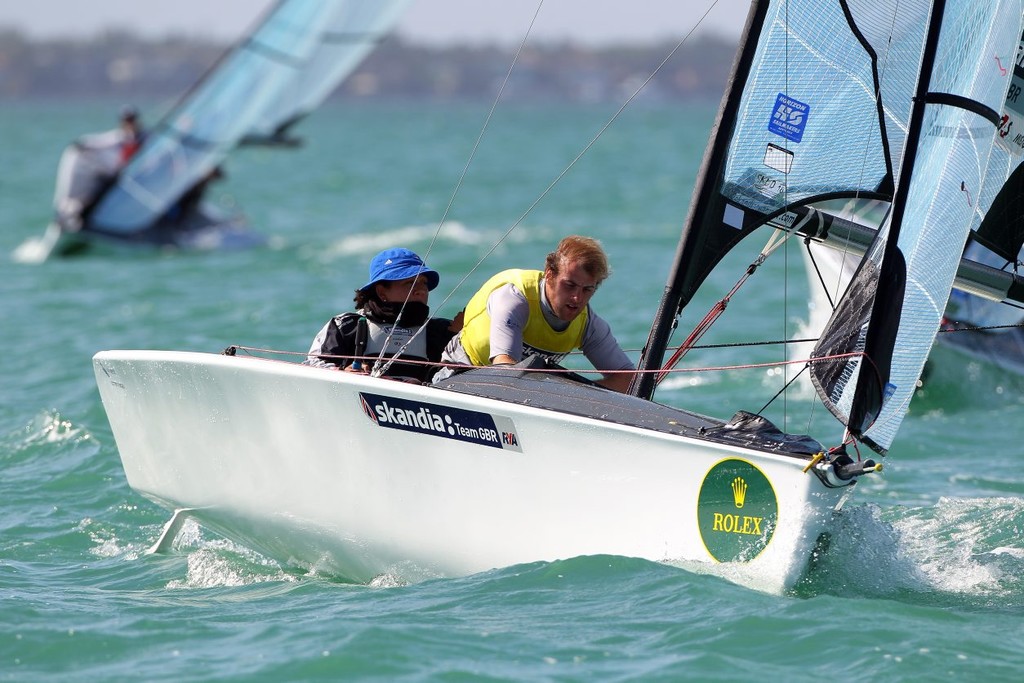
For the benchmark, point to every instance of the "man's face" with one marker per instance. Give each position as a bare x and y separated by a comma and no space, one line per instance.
569,291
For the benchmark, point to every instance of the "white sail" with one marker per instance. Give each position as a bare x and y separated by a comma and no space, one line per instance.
904,292
353,30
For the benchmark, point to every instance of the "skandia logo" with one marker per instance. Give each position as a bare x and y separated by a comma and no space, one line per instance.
444,421
421,418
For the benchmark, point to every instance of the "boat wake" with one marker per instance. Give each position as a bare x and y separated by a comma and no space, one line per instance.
957,550
33,251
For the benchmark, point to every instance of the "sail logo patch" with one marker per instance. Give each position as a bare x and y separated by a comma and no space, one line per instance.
737,511
459,424
789,118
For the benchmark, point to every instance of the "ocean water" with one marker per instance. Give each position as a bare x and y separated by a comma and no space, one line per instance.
924,579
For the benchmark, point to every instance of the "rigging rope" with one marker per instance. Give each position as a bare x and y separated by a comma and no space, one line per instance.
774,242
253,351
380,367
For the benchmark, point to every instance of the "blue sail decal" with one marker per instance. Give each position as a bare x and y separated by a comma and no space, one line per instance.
789,118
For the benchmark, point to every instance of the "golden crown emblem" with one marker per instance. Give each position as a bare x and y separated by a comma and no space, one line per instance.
739,491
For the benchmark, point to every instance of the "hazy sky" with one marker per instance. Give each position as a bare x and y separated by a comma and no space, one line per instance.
591,21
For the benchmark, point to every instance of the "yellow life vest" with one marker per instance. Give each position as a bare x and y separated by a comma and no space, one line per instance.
539,338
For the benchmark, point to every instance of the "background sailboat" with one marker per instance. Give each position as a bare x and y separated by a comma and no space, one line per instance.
283,69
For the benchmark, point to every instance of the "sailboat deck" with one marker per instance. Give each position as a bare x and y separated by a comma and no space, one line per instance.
575,395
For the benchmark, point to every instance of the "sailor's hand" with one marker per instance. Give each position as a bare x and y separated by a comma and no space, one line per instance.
357,368
456,325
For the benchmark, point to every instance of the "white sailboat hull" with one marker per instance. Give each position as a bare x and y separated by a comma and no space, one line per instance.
309,467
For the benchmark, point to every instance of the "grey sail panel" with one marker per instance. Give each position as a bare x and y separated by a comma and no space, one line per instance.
201,130
916,253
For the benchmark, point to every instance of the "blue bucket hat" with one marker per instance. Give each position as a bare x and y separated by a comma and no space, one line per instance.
399,264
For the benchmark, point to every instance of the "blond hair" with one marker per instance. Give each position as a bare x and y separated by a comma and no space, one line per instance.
585,252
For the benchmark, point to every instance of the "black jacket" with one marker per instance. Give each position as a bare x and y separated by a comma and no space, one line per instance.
338,338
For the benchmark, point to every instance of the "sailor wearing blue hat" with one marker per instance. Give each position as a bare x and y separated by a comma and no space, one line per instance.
392,319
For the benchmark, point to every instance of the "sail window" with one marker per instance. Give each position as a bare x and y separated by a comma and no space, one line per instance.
778,158
733,216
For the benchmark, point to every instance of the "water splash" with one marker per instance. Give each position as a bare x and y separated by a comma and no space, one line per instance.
219,563
48,427
952,552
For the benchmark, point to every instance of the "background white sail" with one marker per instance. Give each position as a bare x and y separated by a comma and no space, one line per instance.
287,65
353,30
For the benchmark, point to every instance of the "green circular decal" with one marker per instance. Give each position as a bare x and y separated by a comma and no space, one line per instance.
736,511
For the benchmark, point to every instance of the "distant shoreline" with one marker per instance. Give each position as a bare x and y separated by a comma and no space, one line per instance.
120,64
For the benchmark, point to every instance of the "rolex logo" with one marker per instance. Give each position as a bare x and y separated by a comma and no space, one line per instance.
739,491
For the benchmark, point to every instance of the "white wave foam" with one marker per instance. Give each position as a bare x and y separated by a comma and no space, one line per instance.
45,428
956,547
219,563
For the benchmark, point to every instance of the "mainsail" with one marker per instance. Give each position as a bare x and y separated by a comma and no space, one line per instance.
892,100
817,110
278,72
908,273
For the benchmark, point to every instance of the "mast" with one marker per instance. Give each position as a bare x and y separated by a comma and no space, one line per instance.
676,295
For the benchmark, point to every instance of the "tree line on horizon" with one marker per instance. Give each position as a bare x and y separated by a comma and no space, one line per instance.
121,64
